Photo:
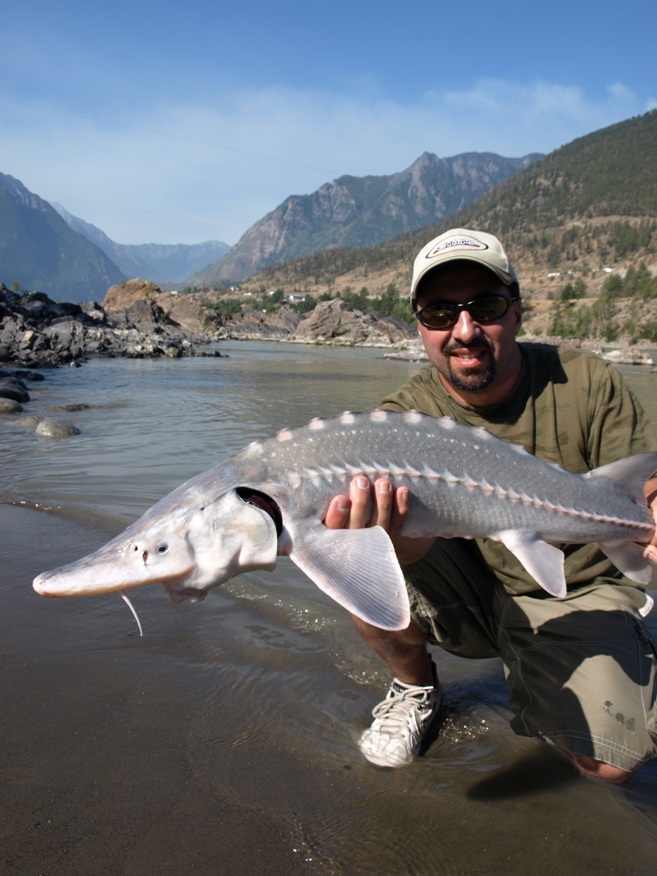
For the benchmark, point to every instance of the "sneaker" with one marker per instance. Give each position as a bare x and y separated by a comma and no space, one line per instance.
401,723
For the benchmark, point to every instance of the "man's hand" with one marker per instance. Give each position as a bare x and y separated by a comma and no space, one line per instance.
650,552
378,505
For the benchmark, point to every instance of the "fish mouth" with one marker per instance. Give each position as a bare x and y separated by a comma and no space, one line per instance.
188,594
58,583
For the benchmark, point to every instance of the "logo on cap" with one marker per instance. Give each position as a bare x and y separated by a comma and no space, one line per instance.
466,242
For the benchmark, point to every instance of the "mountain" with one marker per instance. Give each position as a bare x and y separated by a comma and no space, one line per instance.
361,211
158,262
39,252
587,208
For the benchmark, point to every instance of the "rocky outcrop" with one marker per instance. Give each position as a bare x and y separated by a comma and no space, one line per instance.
190,312
36,331
258,326
332,323
336,324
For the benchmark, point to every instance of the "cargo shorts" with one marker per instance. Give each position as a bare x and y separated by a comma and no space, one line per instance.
581,671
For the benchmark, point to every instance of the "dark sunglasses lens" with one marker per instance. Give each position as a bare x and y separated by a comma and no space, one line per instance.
482,310
438,316
489,309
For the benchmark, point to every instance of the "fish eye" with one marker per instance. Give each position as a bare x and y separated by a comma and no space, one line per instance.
162,547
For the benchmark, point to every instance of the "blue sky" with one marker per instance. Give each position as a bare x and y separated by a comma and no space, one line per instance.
182,123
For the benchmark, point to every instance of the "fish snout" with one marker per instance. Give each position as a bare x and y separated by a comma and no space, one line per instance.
41,585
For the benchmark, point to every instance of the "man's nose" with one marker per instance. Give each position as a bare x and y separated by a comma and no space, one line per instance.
466,328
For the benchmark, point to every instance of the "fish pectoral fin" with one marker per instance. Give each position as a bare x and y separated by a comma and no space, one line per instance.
543,561
628,557
357,568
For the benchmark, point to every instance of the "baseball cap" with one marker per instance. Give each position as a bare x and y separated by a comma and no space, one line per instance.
461,244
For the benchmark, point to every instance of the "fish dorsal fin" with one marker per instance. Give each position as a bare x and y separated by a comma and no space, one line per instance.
357,568
543,561
630,474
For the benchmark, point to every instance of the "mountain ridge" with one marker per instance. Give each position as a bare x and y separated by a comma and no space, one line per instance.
588,207
157,262
38,250
359,211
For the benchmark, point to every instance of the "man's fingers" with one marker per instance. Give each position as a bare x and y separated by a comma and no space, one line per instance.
400,510
337,514
650,553
382,504
361,503
369,505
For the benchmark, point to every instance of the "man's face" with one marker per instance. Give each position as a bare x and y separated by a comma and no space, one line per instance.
479,363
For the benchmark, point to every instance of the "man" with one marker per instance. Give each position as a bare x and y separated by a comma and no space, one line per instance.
582,671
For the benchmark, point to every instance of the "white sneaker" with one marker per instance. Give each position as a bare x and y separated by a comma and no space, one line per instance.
400,724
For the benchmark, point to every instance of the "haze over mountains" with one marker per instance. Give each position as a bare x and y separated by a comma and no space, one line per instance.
588,207
158,262
43,247
38,250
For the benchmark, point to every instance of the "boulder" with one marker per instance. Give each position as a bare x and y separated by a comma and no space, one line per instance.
14,388
52,427
337,324
256,325
9,406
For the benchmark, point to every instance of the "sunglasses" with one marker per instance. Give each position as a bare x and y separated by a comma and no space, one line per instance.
444,315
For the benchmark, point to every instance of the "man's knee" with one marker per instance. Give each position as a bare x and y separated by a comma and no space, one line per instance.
599,771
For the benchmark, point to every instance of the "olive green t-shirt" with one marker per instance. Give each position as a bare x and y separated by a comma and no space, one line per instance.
570,408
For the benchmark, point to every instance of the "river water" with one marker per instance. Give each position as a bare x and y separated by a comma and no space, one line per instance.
224,740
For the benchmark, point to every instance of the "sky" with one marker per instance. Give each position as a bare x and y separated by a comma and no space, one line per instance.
180,123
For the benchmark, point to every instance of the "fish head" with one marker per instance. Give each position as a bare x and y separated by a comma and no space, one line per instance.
189,548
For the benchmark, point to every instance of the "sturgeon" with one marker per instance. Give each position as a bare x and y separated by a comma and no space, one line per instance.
270,499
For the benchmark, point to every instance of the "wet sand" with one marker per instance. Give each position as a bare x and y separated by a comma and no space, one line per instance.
225,740
134,756
95,772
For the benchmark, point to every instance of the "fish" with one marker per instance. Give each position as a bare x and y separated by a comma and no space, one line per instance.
270,499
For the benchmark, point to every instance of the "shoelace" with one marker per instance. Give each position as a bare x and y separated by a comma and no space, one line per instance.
397,710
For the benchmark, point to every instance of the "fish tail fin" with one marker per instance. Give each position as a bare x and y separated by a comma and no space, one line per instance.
629,475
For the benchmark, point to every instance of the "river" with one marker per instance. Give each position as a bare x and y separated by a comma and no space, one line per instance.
224,740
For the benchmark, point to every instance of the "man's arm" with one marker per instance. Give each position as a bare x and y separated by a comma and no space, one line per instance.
378,504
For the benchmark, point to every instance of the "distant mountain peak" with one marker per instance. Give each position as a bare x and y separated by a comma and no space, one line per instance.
362,211
158,262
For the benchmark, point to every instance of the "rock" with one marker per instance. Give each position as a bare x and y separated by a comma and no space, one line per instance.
28,422
337,324
413,352
72,407
10,406
14,388
123,297
191,313
51,427
628,357
35,330
255,325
